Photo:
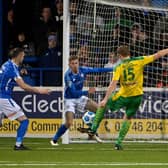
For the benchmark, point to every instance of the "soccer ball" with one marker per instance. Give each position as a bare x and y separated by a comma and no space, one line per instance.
88,118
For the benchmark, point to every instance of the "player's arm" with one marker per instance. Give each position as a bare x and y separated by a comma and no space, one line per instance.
151,58
16,76
96,70
110,89
29,88
78,93
74,92
112,86
160,54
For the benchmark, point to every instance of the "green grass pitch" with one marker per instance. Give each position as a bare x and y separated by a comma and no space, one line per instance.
140,155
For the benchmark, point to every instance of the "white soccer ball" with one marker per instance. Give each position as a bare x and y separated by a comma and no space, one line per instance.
88,118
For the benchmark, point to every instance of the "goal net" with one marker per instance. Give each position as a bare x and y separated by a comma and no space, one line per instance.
96,29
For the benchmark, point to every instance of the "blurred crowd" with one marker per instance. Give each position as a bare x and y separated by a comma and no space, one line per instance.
147,3
37,27
95,41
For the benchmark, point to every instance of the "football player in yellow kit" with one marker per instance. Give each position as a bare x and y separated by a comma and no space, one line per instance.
130,75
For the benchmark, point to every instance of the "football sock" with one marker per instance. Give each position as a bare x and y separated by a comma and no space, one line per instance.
123,131
21,131
98,117
60,132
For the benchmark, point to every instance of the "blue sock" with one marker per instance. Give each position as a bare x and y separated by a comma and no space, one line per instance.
60,132
21,131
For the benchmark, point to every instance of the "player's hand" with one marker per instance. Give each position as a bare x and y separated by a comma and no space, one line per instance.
102,103
23,71
92,90
44,91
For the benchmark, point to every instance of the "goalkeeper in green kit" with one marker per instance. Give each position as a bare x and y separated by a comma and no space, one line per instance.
130,74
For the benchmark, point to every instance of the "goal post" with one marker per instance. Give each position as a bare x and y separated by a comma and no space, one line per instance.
66,24
93,29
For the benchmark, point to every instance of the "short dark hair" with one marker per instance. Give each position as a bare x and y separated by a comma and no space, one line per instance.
56,1
15,52
123,51
43,7
73,57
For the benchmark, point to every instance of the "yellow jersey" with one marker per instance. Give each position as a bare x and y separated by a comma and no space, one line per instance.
130,74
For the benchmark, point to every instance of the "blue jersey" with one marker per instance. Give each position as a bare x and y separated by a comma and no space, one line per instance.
74,82
8,73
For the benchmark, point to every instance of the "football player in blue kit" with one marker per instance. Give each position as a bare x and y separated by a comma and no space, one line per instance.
9,77
75,97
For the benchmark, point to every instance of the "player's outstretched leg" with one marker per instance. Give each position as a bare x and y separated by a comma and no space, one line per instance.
91,106
60,132
132,106
98,118
21,131
69,120
100,115
122,133
90,136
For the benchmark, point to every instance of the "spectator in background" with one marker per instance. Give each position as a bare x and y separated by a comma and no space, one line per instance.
59,11
58,15
141,45
73,39
85,24
139,41
52,59
84,59
119,18
23,43
145,2
73,10
162,74
45,25
83,54
161,32
117,37
118,28
11,29
112,62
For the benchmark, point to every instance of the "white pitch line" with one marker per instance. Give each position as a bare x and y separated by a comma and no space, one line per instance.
84,164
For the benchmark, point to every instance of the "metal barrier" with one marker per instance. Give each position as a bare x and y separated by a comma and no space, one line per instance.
40,71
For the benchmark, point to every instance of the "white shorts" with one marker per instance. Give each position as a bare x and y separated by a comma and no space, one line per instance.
73,105
10,108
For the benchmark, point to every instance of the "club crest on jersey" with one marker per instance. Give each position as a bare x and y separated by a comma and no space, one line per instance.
82,75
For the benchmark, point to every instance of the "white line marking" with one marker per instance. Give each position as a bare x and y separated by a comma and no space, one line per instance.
84,164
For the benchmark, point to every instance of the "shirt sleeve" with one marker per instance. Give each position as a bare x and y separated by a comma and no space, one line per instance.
15,73
148,59
116,73
96,70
